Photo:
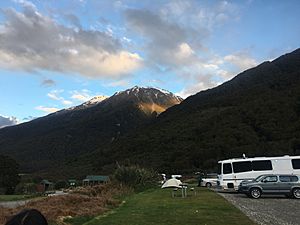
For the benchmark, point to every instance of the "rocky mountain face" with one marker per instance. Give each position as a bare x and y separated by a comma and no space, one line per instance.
256,113
62,137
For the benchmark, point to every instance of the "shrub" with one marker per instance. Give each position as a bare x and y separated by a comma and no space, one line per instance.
136,177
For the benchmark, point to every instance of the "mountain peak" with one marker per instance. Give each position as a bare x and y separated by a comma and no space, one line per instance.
148,99
137,90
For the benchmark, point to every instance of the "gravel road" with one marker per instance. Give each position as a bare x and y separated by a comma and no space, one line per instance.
268,210
13,204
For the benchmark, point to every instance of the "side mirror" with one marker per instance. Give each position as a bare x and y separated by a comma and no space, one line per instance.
264,181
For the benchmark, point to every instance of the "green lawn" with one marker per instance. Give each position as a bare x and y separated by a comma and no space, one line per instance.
5,198
157,207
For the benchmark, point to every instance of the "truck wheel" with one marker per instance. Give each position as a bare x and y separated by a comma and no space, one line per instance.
208,185
296,193
255,193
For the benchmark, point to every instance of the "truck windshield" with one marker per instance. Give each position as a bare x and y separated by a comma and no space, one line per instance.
259,178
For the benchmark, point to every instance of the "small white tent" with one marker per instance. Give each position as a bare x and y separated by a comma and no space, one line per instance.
172,183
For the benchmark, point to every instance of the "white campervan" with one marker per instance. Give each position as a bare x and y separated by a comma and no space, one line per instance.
232,171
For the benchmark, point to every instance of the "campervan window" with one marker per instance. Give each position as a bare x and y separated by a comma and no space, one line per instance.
227,168
239,167
296,163
262,165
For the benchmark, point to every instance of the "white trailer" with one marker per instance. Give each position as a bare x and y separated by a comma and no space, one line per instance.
232,171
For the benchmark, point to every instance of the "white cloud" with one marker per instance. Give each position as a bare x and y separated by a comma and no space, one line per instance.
167,44
119,83
241,60
197,14
31,41
184,51
55,95
195,88
25,3
81,96
28,118
93,63
67,102
6,121
171,42
47,109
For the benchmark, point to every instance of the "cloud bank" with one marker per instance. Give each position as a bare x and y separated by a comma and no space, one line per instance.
30,41
7,121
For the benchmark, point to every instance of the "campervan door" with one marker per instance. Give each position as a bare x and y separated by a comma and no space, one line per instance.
282,166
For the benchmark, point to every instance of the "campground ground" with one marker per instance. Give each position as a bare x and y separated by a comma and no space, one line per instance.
158,207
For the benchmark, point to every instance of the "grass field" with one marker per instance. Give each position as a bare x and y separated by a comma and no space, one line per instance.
5,198
157,207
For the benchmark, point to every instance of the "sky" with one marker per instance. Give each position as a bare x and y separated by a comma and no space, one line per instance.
58,54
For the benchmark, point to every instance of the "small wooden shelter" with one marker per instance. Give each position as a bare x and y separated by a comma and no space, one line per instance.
44,186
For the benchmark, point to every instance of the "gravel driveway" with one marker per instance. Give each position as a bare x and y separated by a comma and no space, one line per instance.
14,204
268,210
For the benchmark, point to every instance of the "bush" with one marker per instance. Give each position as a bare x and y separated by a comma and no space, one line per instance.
136,177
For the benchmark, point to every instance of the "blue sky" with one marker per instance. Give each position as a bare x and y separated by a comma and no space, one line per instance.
57,54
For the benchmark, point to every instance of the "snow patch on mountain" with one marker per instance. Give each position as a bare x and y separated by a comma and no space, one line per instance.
148,90
95,100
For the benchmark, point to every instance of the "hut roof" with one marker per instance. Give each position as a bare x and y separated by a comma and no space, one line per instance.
46,182
96,178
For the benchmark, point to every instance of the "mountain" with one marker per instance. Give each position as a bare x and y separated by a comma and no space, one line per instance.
55,140
92,102
256,113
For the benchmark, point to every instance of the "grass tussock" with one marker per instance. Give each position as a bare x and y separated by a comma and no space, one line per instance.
82,201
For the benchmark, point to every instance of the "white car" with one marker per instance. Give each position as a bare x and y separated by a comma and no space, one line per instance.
210,180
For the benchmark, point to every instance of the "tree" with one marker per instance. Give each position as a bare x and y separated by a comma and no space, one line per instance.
9,178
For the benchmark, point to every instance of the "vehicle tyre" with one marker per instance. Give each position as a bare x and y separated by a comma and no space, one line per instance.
255,193
296,193
208,185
